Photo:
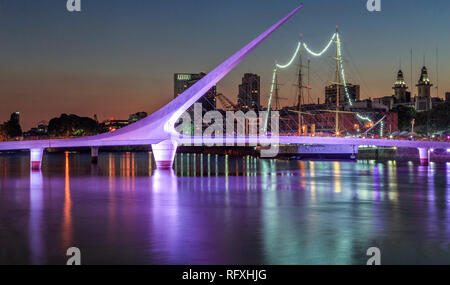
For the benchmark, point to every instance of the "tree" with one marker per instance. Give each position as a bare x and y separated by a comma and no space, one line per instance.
3,136
439,119
11,129
405,116
72,126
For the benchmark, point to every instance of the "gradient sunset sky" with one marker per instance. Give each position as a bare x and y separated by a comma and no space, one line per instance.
118,57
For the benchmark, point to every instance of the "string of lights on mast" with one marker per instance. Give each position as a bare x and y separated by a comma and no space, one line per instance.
334,38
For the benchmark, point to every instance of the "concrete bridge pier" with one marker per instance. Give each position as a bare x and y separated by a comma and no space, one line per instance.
94,154
424,154
36,155
164,153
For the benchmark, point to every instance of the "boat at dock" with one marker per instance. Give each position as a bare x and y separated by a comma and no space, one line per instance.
319,152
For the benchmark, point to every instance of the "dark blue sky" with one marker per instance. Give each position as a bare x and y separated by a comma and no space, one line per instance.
118,57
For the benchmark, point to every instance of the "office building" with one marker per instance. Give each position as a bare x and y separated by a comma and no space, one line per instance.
331,91
182,81
250,92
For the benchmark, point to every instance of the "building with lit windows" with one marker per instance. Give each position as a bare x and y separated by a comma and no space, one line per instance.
250,92
331,91
136,117
182,81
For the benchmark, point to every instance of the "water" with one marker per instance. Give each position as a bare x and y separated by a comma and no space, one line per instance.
222,210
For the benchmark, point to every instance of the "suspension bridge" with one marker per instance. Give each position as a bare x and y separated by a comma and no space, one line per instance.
158,129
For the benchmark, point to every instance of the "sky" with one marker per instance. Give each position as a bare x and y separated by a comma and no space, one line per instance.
118,57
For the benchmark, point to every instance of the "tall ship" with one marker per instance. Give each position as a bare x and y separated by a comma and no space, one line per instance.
306,126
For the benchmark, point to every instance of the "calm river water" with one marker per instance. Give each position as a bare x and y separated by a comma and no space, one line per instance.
222,210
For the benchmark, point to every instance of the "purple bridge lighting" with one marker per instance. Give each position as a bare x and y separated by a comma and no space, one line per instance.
158,128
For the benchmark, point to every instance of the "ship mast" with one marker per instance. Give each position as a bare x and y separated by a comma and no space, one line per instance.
300,89
338,82
277,98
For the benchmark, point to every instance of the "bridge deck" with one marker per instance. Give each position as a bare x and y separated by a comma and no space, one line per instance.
316,140
73,143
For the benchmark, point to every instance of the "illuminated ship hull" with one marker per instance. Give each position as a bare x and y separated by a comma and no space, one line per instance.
320,152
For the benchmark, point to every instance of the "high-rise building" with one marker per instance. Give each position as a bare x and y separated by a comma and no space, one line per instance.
401,95
250,92
447,97
183,81
331,91
423,100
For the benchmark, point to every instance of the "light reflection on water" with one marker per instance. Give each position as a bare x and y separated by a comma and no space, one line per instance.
222,210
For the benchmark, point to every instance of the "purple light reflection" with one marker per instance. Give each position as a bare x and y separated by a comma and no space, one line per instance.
36,225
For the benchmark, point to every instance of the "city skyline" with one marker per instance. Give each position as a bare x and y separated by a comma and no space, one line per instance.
68,68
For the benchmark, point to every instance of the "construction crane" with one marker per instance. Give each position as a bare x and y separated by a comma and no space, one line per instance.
226,103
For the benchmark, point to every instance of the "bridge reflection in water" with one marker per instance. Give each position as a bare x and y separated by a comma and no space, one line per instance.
222,210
